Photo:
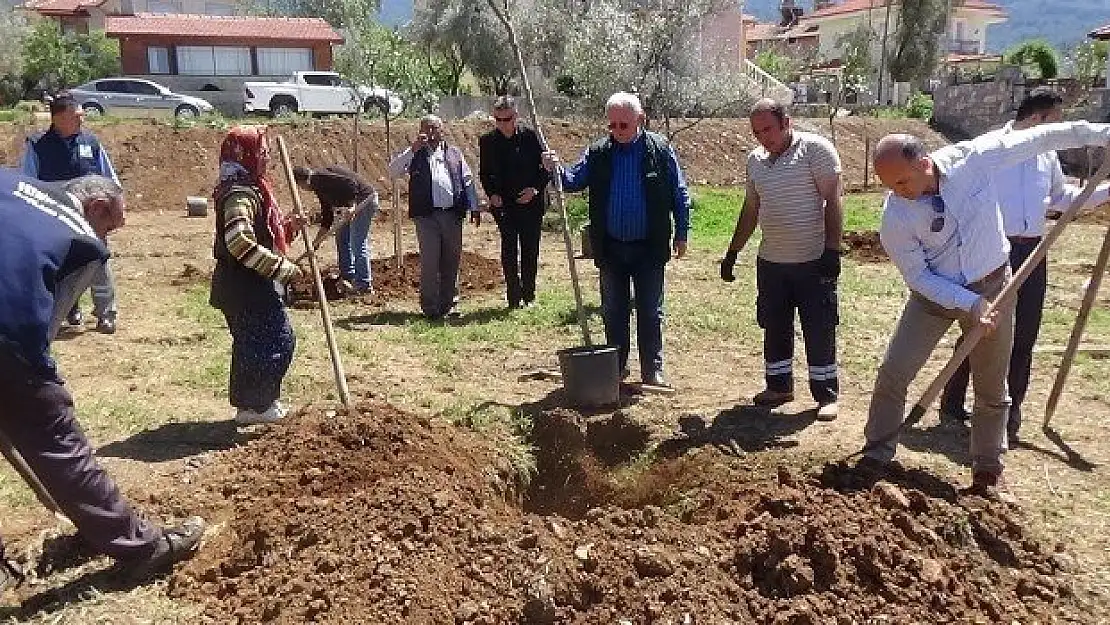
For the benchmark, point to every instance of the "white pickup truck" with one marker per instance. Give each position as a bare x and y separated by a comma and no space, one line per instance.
316,92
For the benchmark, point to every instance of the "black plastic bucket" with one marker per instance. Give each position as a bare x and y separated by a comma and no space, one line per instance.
591,375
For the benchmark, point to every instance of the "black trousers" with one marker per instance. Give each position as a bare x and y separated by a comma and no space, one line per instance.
781,289
37,415
1027,325
520,249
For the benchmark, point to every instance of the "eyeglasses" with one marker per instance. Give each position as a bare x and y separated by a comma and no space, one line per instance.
938,214
621,125
504,119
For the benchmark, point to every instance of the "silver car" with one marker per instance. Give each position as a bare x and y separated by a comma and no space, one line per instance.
135,97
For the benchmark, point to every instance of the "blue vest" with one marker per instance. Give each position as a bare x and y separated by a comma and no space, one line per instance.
66,159
42,242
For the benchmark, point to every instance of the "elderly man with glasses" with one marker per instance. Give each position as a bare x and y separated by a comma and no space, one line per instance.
943,230
513,177
636,188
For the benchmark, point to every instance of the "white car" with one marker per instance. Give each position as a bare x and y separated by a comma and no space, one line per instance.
316,92
136,97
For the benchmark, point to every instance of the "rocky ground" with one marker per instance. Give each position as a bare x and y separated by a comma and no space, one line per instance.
377,516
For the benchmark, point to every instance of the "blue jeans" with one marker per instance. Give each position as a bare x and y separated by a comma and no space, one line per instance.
631,264
352,245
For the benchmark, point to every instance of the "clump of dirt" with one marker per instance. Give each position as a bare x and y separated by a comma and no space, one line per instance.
865,246
382,517
476,273
191,274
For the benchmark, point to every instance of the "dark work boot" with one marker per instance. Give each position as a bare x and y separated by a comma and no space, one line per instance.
177,544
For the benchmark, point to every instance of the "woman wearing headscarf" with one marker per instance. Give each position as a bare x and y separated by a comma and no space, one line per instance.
248,282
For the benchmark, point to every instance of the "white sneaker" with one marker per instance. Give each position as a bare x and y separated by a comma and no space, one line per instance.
273,414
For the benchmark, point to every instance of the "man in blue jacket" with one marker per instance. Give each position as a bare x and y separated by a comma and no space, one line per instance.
63,152
51,246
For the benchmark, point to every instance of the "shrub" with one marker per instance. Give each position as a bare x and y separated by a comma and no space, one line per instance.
920,106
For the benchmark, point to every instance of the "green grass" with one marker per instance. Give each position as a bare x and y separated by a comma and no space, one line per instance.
195,307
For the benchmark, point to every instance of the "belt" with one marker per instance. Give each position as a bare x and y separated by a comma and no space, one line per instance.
1024,239
990,277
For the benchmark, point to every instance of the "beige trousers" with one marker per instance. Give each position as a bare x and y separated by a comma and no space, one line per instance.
919,329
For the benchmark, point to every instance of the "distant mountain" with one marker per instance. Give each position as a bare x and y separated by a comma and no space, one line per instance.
1062,22
395,12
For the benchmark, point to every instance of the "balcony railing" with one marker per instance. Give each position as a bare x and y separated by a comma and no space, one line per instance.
963,46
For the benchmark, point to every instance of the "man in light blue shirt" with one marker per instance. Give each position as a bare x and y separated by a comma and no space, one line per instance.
1026,191
636,188
942,228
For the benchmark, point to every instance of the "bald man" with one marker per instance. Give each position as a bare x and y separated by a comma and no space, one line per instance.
943,230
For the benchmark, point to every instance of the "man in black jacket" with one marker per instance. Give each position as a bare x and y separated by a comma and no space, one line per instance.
513,177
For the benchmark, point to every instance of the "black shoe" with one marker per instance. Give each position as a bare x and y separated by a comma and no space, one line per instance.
106,325
957,415
655,378
177,544
75,318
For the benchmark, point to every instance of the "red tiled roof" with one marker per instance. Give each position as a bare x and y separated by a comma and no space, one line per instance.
1103,32
852,6
222,27
61,7
768,32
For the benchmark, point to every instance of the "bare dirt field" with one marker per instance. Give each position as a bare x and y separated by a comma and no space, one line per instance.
462,489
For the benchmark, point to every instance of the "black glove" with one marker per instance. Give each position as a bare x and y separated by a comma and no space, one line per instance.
727,264
829,264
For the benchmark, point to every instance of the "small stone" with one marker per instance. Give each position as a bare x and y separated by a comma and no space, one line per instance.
468,611
890,496
528,541
1064,562
649,563
652,515
557,529
931,571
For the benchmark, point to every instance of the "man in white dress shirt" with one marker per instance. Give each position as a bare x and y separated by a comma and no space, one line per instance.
441,192
942,228
1026,191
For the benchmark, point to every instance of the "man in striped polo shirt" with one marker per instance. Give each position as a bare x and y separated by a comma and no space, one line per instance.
793,195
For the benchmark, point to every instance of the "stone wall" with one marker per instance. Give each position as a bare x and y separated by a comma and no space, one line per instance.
974,108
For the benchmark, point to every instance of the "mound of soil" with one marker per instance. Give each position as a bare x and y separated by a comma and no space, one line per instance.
476,273
865,246
383,517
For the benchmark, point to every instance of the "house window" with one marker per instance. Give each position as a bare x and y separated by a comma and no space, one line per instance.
164,6
284,61
158,60
218,8
213,61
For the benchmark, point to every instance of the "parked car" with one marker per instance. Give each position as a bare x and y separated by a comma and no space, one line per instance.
136,97
316,92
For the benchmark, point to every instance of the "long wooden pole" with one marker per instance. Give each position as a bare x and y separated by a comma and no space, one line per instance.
325,311
978,331
502,14
1077,330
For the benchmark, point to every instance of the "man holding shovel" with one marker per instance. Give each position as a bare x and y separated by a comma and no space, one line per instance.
636,188
1026,191
348,205
51,247
942,228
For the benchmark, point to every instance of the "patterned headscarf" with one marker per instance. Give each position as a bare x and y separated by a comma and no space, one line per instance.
243,157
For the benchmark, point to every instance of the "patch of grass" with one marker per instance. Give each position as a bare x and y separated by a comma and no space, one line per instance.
13,491
713,214
507,427
194,306
863,211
